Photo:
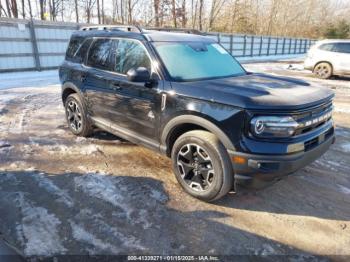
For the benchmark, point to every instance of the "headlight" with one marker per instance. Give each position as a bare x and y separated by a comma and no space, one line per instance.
273,126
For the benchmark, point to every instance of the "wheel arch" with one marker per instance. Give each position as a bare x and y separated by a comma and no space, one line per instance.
184,123
69,88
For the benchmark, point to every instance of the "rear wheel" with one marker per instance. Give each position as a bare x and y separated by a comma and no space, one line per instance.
323,70
202,166
76,116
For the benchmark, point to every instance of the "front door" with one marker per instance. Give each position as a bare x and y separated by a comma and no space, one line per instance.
137,104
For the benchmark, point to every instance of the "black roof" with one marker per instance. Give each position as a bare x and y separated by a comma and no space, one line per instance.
149,35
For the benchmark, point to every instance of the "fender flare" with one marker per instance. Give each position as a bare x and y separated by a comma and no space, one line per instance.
70,85
192,119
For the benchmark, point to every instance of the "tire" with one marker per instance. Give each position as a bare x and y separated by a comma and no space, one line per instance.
213,173
78,123
323,70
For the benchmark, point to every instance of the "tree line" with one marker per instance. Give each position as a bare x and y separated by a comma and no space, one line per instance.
297,18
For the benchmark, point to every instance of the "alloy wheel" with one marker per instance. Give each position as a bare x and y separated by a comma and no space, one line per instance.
74,116
322,71
195,167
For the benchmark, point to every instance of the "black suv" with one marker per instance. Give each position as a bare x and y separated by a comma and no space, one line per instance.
185,96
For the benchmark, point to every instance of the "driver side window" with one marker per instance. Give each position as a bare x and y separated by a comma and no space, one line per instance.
130,54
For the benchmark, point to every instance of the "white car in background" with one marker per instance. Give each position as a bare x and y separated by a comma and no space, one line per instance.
329,57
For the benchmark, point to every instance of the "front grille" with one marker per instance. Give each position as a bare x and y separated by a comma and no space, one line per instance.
310,144
313,118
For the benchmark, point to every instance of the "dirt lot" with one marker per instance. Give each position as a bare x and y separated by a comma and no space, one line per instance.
61,194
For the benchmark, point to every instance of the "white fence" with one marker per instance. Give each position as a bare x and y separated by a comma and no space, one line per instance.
39,45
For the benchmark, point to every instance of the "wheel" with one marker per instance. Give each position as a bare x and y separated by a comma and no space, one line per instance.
76,116
323,70
202,165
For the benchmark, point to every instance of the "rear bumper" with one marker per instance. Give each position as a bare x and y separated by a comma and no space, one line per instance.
260,170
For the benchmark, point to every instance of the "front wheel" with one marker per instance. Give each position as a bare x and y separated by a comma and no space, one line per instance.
202,165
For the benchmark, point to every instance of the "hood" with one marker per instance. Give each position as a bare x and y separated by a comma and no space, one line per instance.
256,91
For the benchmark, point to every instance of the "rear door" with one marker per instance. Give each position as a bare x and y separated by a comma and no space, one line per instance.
98,91
342,54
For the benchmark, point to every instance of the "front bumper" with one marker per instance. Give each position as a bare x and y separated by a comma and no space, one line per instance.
259,170
309,64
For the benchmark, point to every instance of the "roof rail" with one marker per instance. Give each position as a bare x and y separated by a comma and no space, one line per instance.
127,28
179,30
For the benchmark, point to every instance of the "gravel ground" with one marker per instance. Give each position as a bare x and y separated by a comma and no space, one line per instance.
61,194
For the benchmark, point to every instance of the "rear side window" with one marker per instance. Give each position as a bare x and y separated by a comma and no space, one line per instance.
130,54
73,46
342,48
99,54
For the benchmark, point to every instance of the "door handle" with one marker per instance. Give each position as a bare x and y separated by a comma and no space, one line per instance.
99,76
83,77
116,86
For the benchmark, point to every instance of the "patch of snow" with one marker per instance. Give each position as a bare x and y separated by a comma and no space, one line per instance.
101,186
90,149
80,139
5,99
19,165
81,234
49,186
39,230
297,67
29,79
270,58
342,110
63,149
346,148
82,149
344,189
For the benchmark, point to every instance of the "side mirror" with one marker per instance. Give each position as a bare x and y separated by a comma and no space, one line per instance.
140,74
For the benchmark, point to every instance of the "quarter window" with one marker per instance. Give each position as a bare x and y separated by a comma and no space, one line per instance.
73,46
99,55
130,54
80,54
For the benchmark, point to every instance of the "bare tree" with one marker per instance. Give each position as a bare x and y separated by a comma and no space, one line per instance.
200,16
122,13
76,11
23,9
214,11
98,12
30,9
14,8
89,5
103,11
42,9
156,12
183,14
173,10
130,8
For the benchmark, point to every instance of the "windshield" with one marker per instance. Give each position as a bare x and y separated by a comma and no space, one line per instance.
187,61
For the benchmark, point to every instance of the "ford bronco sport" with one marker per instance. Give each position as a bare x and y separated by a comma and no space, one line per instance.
185,96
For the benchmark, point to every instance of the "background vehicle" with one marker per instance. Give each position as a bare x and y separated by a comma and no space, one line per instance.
329,57
185,96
